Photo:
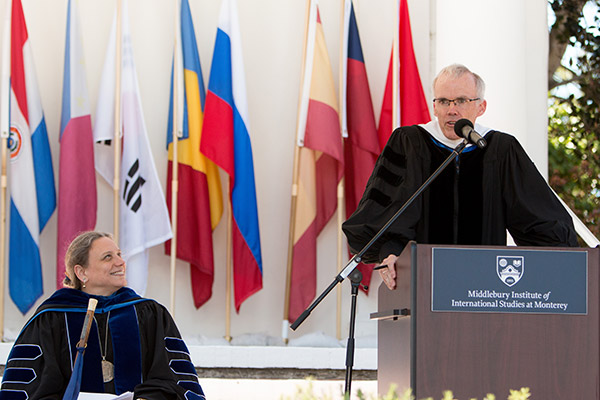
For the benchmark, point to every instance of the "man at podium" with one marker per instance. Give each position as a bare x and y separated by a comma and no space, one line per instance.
483,193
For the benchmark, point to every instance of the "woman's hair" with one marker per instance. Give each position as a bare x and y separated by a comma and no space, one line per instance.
456,71
78,254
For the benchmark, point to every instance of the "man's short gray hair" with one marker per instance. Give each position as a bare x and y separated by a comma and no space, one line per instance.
456,71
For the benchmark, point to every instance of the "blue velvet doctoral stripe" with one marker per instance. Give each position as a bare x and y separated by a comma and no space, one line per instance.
91,374
18,375
25,352
8,394
189,395
127,353
176,345
191,385
182,366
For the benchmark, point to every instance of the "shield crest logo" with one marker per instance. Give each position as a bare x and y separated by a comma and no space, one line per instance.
510,269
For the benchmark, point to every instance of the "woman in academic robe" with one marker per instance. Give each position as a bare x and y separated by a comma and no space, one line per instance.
134,344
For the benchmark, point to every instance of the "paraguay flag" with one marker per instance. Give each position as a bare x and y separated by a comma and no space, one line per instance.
361,146
226,141
200,202
32,193
77,177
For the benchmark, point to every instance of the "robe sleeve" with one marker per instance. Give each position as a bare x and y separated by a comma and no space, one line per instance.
388,188
167,370
535,217
38,365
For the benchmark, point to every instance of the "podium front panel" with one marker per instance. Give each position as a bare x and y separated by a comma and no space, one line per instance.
475,353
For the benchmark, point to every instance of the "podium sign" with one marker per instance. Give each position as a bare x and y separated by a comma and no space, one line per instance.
509,281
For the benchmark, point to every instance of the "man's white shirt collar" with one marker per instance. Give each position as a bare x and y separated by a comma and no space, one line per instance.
433,127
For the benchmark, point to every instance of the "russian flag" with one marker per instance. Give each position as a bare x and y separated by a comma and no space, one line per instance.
77,178
226,141
30,170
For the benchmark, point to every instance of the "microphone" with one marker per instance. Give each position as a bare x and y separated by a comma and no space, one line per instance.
464,129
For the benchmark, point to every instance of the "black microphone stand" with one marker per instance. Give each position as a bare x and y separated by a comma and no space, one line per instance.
354,261
355,277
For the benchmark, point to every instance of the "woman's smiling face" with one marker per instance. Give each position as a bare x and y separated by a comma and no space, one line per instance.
105,273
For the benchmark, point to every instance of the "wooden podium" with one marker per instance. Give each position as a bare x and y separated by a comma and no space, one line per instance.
475,353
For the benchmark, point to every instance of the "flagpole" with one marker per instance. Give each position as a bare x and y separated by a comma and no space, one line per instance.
290,257
228,272
4,132
3,184
395,68
117,127
340,188
175,163
340,260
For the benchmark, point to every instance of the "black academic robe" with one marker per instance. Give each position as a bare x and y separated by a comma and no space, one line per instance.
143,342
474,201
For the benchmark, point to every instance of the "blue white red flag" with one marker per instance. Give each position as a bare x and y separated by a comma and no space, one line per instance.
32,193
77,178
226,141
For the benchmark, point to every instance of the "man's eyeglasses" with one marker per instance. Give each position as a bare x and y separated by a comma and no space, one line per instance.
460,102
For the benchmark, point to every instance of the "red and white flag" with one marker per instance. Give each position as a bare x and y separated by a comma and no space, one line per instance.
77,201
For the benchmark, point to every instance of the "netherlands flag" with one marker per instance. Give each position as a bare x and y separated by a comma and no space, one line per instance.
30,170
226,141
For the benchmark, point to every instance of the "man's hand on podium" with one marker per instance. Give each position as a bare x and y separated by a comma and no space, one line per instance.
387,271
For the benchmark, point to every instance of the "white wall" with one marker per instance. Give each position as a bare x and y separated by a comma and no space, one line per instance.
474,32
506,42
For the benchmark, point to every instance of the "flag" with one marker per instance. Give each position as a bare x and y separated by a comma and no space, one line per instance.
412,105
200,202
226,141
143,215
74,386
77,178
320,164
32,193
361,145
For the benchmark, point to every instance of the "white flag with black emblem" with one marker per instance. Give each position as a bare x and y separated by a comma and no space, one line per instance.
144,220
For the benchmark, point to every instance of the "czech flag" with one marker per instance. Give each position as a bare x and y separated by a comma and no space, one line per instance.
361,146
